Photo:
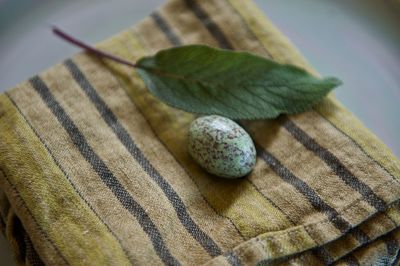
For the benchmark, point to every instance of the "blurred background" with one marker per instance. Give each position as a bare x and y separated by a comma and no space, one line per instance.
357,41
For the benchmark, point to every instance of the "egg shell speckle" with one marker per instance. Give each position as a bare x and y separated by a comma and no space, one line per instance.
221,146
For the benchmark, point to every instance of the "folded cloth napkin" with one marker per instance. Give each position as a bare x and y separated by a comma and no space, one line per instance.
94,170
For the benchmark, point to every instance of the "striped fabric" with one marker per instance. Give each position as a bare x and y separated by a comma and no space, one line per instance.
94,170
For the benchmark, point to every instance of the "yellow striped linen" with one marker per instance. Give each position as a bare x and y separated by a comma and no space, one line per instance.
94,170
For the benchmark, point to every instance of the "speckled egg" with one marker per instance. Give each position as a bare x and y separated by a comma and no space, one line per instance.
221,146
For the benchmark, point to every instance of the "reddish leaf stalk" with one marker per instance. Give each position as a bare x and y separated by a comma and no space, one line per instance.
89,48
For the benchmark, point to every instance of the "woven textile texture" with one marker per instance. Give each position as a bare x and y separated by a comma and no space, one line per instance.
94,170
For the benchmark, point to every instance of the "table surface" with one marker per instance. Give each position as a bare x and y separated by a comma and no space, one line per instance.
354,40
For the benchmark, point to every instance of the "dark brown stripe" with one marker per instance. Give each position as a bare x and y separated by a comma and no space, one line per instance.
301,186
232,258
351,260
210,25
323,255
63,171
103,172
248,30
362,237
392,246
391,243
186,220
163,25
336,165
304,189
396,261
359,147
42,232
31,256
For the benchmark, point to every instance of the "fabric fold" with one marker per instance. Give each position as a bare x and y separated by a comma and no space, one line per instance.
88,156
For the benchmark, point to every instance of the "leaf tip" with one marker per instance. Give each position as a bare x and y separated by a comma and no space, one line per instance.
334,82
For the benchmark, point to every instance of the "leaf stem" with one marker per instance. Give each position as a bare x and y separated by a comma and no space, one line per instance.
65,36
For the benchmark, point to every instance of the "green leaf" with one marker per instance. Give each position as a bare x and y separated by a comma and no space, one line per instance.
237,85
